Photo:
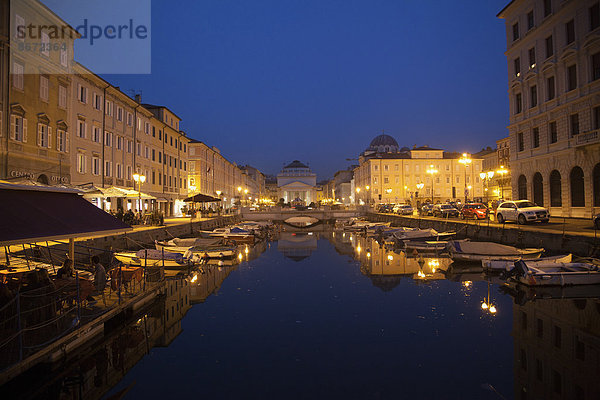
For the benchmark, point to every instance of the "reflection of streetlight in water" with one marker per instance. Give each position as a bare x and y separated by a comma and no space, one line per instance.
487,305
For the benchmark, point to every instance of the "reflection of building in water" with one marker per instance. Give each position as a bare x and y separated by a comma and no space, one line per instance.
386,267
207,281
104,364
297,246
177,304
557,349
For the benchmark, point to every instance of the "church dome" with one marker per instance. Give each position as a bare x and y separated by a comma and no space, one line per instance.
383,144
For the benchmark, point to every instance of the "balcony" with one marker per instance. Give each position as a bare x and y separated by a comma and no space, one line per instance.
584,139
108,180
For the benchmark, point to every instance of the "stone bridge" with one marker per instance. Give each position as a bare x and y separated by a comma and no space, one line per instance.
284,214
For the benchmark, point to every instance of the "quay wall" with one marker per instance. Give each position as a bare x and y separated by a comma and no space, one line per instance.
146,236
510,234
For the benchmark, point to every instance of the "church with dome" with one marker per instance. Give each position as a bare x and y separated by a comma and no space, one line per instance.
297,183
388,173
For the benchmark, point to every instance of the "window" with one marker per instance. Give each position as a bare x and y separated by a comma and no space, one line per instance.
139,149
570,31
109,107
107,168
119,168
596,118
532,57
119,113
119,142
62,96
82,94
555,189
574,119
159,137
95,165
44,87
159,157
594,16
595,66
515,30
129,146
81,163
520,141
43,138
146,152
19,21
97,101
64,56
571,77
96,134
146,128
62,141
535,133
107,139
81,129
547,8
18,76
386,180
549,47
129,172
553,132
518,66
129,119
139,124
45,44
153,155
518,103
153,132
550,87
533,96
530,20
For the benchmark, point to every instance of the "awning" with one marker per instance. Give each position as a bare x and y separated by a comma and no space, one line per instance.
201,198
31,214
118,192
162,200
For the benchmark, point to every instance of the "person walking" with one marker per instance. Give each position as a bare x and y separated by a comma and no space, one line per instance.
99,275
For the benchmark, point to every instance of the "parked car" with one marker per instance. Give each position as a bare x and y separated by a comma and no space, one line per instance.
596,219
456,204
444,210
427,209
385,208
474,210
403,209
521,211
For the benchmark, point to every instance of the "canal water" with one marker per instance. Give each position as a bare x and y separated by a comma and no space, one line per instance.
328,315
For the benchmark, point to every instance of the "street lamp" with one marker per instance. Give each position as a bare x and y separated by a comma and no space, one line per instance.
368,194
502,171
486,178
388,191
486,304
465,160
420,186
432,171
139,179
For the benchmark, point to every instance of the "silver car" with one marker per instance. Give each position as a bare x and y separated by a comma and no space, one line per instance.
521,211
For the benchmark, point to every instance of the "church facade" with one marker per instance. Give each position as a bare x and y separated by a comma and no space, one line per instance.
297,183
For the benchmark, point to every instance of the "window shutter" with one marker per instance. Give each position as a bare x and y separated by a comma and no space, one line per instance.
50,137
13,126
84,164
66,142
24,130
85,130
39,134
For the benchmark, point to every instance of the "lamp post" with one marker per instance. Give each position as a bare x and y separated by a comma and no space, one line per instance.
432,171
357,196
502,171
486,177
419,187
388,191
465,160
245,193
139,179
368,194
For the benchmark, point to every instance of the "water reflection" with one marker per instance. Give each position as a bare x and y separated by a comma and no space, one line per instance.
386,266
297,245
556,349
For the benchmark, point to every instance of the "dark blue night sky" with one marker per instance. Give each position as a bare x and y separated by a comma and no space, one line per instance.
272,81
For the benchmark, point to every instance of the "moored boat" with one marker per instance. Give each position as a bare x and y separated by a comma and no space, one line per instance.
507,265
151,257
465,250
558,274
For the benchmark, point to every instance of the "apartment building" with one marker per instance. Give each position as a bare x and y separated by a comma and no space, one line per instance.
390,174
553,56
35,113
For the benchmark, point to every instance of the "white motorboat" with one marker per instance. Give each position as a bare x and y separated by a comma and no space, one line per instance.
151,257
425,245
465,250
558,274
235,234
507,265
177,245
421,234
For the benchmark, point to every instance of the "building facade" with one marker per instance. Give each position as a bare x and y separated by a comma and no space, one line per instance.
389,174
296,182
553,56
